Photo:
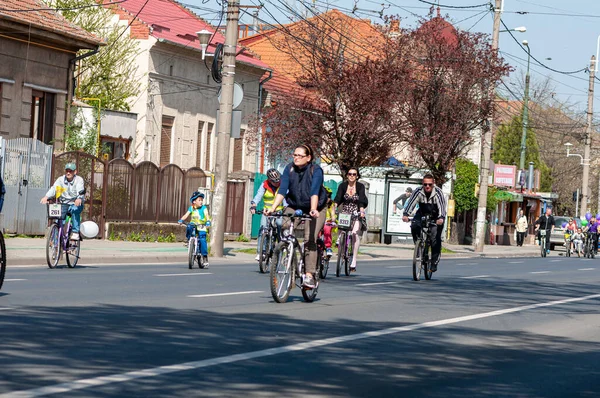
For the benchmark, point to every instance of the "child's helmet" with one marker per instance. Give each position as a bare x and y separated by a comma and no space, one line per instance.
273,175
196,195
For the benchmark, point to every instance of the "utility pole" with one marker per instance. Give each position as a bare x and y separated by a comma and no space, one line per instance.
588,139
487,146
224,128
525,111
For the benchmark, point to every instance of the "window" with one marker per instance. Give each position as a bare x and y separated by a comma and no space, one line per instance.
114,148
208,145
42,116
238,152
199,143
165,140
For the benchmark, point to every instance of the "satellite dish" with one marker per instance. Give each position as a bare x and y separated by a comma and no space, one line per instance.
238,95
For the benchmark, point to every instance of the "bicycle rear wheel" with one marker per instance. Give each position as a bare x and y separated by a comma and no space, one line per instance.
2,259
324,263
263,261
309,295
426,261
341,252
72,253
282,271
53,246
191,252
417,256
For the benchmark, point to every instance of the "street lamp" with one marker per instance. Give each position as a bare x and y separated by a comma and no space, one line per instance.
204,37
520,29
569,145
525,110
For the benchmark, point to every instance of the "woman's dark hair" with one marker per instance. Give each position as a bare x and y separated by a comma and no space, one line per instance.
308,151
357,172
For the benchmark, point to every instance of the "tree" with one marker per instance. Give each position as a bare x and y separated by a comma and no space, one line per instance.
110,74
507,149
467,174
447,97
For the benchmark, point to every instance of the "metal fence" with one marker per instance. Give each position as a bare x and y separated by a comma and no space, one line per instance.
375,210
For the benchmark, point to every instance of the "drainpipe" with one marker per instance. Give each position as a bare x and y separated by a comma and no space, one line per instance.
259,118
71,81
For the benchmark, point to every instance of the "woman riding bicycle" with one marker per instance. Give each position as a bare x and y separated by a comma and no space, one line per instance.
302,188
351,198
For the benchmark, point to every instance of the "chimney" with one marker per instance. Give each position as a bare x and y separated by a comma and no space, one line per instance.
394,28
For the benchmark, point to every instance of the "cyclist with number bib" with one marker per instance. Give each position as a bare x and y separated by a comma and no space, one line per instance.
431,201
547,222
267,192
69,189
302,188
351,197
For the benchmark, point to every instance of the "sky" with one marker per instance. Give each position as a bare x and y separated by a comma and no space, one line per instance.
565,31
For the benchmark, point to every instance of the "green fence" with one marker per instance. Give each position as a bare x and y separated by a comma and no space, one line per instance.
258,180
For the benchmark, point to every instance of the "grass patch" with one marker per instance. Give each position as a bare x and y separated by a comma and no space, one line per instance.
444,250
249,251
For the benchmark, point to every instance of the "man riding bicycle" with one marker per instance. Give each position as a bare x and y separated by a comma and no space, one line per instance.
69,189
432,202
547,222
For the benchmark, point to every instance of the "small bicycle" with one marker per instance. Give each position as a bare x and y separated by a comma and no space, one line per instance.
345,248
269,237
58,235
422,253
543,242
194,249
588,248
323,253
289,264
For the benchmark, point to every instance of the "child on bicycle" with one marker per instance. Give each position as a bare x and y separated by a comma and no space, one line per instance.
199,222
329,223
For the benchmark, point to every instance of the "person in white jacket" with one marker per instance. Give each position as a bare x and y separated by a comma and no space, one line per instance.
69,189
521,227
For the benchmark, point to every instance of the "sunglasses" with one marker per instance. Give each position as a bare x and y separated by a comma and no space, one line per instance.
69,171
352,174
427,185
298,155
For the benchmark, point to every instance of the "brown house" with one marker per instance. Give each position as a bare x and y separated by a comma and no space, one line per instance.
38,52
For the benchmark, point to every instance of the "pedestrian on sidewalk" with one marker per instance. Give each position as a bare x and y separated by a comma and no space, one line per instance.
521,227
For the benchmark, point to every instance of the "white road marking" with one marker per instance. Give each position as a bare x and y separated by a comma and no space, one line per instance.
224,294
399,266
14,280
309,345
376,283
555,261
586,269
475,276
540,272
204,273
5,308
516,262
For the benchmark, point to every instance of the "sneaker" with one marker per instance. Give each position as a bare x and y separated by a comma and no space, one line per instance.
75,236
547,251
433,267
309,282
257,258
186,243
205,260
329,252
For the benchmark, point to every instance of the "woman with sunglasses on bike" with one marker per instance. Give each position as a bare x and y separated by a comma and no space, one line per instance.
302,188
351,198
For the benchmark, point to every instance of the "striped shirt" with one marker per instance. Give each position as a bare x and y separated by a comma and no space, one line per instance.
436,200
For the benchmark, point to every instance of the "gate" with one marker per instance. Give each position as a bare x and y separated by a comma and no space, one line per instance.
234,207
26,169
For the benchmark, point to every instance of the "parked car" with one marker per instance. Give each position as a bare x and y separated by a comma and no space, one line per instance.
558,235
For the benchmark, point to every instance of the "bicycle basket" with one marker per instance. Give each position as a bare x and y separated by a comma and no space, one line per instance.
58,211
344,221
543,232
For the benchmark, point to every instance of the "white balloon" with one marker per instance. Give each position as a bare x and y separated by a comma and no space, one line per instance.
89,229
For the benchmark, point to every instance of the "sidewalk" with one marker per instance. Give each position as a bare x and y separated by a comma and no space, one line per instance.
32,251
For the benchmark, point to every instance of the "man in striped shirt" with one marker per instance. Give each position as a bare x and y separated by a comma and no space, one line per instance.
431,201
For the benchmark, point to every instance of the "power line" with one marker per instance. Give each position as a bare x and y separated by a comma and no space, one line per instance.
61,8
455,7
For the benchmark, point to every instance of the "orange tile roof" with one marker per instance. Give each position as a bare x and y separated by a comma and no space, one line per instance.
37,14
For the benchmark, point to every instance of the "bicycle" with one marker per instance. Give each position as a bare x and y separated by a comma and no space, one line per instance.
588,248
568,244
2,259
543,241
345,248
58,236
194,252
422,252
287,267
268,236
323,252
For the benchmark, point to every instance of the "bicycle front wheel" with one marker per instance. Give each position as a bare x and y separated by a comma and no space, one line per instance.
191,252
341,252
52,246
72,253
427,260
348,256
543,246
265,239
282,271
417,256
2,259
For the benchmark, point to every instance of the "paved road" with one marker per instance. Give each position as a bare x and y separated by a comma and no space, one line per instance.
482,328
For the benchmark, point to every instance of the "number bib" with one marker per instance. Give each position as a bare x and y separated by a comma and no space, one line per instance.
542,232
344,220
55,211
